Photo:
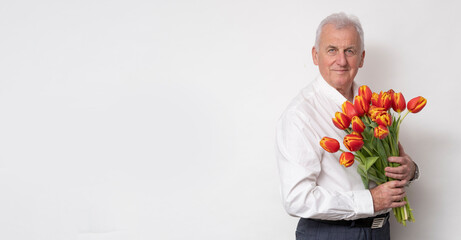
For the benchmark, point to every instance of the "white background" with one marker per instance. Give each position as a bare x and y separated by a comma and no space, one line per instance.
156,119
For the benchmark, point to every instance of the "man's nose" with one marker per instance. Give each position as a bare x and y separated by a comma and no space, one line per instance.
341,59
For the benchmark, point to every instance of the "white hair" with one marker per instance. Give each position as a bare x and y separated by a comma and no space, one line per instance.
340,21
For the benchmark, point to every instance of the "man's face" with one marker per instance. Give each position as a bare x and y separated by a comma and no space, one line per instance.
338,56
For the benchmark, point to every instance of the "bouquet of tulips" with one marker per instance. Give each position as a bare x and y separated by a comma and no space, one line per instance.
373,135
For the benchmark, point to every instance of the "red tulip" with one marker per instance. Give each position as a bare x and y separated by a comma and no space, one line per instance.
357,124
374,111
361,105
329,144
341,120
375,99
385,100
398,102
357,134
416,104
346,159
381,132
348,109
353,142
390,92
365,92
383,118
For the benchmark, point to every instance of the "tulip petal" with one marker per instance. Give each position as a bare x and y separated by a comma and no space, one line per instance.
353,142
365,92
361,105
398,102
349,109
329,144
416,104
341,120
381,132
346,159
357,124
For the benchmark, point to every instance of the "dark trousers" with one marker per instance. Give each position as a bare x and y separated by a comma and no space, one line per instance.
316,230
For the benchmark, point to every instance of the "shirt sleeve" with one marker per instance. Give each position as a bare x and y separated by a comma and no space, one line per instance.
299,161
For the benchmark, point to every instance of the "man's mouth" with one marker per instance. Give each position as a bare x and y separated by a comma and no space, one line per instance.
340,70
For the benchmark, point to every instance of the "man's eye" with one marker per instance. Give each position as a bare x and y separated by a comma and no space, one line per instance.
350,52
331,51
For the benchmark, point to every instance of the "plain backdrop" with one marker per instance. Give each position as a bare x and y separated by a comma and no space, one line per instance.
127,120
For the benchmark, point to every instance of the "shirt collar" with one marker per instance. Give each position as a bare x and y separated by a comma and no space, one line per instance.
323,87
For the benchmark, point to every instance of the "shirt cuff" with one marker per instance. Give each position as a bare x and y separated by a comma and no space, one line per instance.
416,176
363,203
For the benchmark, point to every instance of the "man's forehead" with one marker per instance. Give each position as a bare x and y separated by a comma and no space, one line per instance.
332,27
341,45
345,37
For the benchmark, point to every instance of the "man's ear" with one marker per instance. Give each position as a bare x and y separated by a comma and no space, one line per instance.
315,56
363,58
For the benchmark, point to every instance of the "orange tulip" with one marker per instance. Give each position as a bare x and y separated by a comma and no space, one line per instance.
357,134
385,100
416,104
383,118
329,144
346,159
398,102
390,91
381,132
357,124
361,105
365,92
375,99
353,142
374,111
341,120
348,109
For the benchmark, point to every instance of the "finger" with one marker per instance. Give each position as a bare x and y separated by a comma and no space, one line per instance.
399,196
395,159
397,183
395,176
399,176
395,170
397,191
403,172
398,204
401,151
400,160
401,183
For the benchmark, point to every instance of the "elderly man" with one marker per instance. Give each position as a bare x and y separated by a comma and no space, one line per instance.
329,198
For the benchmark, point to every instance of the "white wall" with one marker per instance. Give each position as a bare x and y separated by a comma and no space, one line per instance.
155,119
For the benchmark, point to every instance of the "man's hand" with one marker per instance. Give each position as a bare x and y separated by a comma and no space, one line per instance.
406,170
388,195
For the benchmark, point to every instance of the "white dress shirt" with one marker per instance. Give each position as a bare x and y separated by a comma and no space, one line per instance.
313,183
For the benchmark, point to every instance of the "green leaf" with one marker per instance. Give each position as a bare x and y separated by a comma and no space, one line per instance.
370,146
376,180
363,175
381,151
367,134
361,167
369,162
382,155
373,171
386,146
373,124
